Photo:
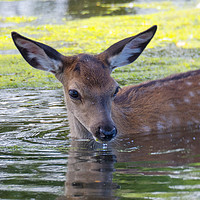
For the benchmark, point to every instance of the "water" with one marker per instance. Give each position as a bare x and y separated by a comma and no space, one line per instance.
49,11
54,11
38,160
32,127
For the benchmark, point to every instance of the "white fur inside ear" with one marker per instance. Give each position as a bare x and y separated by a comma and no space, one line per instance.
35,52
122,58
131,48
46,63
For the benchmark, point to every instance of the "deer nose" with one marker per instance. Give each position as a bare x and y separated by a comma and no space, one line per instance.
107,135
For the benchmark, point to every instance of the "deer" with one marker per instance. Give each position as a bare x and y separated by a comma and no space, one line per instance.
98,108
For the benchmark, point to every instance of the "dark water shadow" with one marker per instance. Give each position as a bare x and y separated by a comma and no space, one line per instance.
175,148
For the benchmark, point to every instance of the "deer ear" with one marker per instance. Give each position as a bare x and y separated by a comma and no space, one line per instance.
38,55
128,50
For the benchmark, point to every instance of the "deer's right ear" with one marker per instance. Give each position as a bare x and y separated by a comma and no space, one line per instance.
39,55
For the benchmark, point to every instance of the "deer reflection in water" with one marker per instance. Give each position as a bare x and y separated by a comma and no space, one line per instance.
89,172
91,168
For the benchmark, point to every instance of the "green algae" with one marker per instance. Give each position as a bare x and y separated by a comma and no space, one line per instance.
17,19
14,72
175,47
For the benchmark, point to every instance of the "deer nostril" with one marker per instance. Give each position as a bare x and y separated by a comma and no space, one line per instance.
106,135
108,132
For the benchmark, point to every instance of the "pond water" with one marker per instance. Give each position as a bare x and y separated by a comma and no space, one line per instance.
39,161
49,11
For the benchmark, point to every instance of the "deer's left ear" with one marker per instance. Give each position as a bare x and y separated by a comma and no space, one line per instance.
39,55
128,50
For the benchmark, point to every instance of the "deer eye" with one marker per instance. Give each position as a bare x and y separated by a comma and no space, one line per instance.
74,94
116,91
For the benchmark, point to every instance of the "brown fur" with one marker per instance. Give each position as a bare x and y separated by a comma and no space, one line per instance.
159,105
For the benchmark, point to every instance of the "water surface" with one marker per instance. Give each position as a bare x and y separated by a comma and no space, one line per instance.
55,11
38,160
49,11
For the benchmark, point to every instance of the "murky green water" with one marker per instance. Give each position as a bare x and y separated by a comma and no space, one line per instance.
49,11
39,161
54,11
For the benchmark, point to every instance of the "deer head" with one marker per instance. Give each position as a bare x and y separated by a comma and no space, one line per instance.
89,89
